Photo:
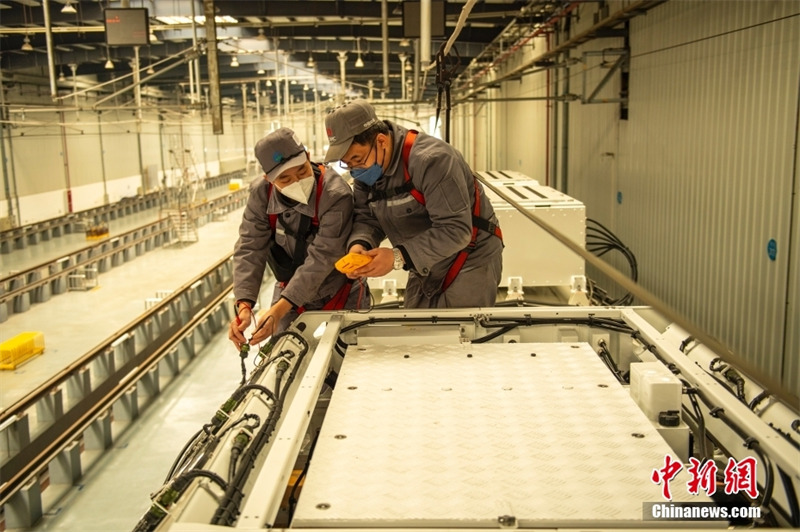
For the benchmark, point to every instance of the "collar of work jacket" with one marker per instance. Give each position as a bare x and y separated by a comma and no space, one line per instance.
398,135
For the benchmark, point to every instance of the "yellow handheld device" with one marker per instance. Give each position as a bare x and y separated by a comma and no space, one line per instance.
351,262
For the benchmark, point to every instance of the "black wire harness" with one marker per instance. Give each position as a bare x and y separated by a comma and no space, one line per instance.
600,240
245,446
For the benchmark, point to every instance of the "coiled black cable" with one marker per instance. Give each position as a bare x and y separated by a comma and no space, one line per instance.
600,240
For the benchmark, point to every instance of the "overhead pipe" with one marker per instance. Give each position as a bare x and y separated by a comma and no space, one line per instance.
258,101
342,59
73,67
65,158
385,39
51,68
417,90
548,24
286,101
316,111
102,157
215,105
403,90
138,83
277,79
425,33
627,12
244,120
194,66
7,183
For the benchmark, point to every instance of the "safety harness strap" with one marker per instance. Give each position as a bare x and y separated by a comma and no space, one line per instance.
478,223
462,256
338,301
306,227
411,136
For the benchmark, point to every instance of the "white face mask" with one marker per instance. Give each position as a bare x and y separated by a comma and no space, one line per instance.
300,190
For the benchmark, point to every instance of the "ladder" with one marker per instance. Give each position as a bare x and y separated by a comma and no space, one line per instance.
183,226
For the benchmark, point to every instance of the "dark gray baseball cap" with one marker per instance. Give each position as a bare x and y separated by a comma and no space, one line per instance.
279,151
345,122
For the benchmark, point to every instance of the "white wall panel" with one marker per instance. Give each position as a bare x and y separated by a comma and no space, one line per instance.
37,207
83,152
522,139
791,370
705,167
38,155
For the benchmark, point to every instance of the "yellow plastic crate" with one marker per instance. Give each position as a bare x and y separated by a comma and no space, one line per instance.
17,350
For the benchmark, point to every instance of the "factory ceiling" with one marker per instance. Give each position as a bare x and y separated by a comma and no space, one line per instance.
301,37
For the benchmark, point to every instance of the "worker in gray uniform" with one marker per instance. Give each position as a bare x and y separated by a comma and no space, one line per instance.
419,192
297,221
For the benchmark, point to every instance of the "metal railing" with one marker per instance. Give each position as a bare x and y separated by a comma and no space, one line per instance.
39,283
45,434
33,233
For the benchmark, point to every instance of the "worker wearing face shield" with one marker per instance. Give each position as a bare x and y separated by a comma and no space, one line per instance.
297,220
419,192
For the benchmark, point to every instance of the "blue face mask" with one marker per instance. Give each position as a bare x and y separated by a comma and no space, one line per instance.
368,176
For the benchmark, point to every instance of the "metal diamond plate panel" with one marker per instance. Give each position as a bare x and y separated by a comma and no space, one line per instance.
444,435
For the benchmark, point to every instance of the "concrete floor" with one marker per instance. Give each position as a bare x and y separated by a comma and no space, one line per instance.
114,492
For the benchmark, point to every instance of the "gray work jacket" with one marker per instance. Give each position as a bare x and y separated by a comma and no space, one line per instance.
434,233
316,278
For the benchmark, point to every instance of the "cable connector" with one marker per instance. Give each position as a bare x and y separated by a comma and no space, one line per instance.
244,350
266,348
222,414
733,376
751,442
241,440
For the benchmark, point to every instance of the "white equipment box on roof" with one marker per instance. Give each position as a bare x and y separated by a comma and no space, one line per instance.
530,253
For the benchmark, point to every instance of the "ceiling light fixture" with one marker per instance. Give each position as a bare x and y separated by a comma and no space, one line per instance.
269,83
109,64
359,61
405,43
26,44
261,36
261,71
235,61
61,76
310,63
68,8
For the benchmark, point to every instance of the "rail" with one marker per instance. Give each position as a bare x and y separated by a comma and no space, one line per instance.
33,233
37,284
44,434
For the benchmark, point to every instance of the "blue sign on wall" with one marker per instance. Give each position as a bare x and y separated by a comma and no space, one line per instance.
772,249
